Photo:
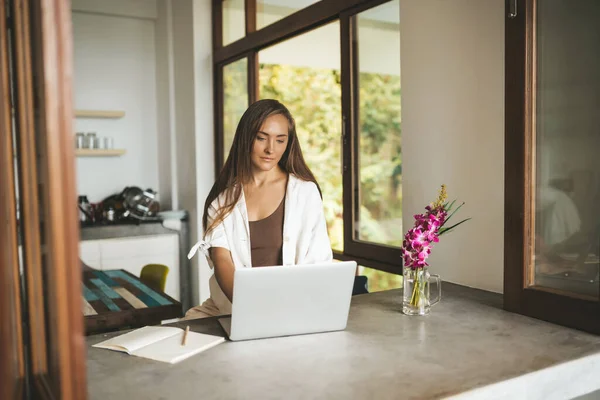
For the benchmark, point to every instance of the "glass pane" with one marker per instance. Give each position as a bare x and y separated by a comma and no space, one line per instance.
304,74
380,162
567,139
378,281
235,99
234,21
269,11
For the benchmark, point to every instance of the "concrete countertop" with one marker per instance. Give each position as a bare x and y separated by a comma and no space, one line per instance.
467,348
96,232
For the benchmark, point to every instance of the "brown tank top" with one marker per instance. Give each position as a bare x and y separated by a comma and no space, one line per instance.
266,239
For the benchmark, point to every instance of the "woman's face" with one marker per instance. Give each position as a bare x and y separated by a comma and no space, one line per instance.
270,143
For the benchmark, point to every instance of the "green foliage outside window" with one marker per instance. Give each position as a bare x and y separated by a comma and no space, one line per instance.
314,98
235,90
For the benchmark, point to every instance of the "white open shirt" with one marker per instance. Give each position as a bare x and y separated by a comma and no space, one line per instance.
305,238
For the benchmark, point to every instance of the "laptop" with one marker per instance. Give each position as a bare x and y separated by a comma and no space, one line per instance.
290,300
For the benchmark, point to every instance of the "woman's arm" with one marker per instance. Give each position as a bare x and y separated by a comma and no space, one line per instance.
219,253
224,268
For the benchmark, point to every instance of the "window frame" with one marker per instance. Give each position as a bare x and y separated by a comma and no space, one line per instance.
219,99
380,253
519,224
372,255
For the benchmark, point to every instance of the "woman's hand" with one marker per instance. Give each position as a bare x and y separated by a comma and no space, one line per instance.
224,269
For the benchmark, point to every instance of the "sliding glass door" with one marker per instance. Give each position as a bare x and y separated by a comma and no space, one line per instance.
552,167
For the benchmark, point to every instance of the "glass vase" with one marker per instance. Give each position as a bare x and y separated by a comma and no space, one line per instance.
416,297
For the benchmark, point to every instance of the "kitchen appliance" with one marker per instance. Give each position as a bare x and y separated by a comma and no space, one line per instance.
130,205
140,204
86,214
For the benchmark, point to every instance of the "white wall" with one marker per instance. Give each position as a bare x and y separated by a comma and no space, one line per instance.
115,69
167,172
204,133
192,120
453,129
126,8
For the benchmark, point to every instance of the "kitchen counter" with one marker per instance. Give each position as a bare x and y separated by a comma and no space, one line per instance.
95,232
468,348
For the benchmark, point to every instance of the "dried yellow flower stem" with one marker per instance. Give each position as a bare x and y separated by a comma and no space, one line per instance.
441,197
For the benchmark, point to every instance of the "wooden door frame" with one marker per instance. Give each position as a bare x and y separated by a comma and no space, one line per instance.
41,50
52,38
12,361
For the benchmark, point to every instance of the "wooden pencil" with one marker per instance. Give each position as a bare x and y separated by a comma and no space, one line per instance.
187,329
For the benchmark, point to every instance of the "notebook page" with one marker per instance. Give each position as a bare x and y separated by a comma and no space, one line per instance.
139,338
171,351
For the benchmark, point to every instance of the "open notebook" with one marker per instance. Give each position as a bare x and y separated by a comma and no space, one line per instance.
161,343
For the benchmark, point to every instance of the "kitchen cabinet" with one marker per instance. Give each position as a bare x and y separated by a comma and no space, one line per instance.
89,253
132,253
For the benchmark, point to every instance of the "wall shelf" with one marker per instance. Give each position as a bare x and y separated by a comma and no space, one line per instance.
99,152
99,114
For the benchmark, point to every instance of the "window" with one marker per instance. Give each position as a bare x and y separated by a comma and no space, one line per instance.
378,281
235,99
336,66
304,74
567,178
552,174
379,218
269,11
372,121
234,21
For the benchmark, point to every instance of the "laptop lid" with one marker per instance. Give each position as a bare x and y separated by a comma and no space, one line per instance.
291,300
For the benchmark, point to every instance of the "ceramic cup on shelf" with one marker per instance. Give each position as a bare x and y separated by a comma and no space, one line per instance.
108,142
90,140
79,140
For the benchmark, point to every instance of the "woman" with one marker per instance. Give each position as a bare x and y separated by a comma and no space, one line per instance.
265,208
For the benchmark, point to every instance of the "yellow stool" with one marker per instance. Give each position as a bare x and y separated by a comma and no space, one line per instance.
155,276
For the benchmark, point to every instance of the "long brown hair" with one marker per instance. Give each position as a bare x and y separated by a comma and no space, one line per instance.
237,170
